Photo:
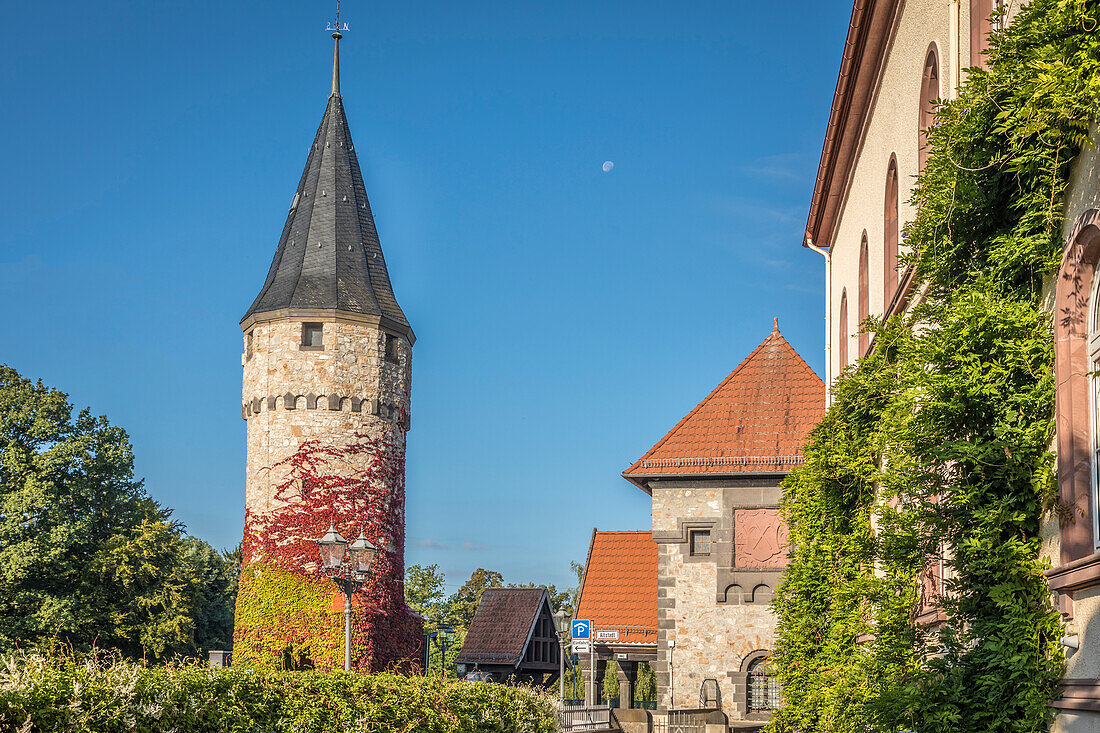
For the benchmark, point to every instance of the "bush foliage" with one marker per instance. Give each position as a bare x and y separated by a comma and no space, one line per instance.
64,693
936,450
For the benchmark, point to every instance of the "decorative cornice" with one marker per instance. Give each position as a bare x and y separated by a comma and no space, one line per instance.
335,403
329,315
870,33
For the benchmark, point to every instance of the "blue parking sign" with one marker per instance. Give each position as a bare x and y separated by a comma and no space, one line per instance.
582,629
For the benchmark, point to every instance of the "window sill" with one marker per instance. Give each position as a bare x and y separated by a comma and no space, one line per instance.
1081,573
303,347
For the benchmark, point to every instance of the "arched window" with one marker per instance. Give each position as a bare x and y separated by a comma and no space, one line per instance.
1094,395
763,687
842,347
864,297
890,235
1077,353
929,93
981,25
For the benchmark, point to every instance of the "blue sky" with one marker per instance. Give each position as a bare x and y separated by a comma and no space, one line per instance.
566,317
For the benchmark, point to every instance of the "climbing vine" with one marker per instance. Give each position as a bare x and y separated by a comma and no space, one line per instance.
288,615
915,599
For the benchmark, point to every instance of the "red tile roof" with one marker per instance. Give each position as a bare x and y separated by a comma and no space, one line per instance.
620,585
755,421
502,625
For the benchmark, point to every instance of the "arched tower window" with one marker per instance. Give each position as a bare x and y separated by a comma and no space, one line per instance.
763,687
864,305
842,347
929,93
890,235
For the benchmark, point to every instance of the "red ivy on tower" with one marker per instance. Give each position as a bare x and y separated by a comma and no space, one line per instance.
288,614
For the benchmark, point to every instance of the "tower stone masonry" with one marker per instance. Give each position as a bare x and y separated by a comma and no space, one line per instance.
327,365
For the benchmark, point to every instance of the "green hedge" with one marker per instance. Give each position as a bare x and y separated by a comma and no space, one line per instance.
40,693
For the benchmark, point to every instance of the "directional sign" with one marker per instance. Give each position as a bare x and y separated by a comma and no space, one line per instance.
582,629
582,647
607,635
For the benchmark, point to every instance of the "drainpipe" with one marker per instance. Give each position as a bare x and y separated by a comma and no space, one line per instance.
828,318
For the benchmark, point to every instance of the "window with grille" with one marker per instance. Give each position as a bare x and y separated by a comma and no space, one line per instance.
700,542
763,688
391,347
248,345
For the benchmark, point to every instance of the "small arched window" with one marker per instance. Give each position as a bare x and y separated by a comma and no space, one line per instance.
929,93
842,350
864,304
763,687
890,235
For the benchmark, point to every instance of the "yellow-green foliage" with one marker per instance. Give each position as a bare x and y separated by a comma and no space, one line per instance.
40,694
309,634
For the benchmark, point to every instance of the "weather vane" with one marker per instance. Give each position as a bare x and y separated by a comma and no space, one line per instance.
335,26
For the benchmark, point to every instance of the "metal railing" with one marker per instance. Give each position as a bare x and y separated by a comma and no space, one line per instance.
582,717
681,721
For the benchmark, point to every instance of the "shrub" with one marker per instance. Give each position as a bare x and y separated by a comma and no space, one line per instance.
41,693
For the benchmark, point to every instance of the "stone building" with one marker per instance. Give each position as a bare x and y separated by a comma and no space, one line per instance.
898,58
721,546
328,358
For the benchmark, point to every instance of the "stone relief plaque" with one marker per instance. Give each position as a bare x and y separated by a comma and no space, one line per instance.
759,539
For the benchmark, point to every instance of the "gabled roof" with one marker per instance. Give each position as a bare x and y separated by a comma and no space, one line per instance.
619,590
502,625
755,421
329,260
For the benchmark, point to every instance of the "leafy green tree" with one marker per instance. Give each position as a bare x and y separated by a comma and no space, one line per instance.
425,592
86,557
461,606
218,573
67,489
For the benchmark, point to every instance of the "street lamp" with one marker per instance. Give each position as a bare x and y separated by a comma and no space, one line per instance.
444,636
348,565
561,623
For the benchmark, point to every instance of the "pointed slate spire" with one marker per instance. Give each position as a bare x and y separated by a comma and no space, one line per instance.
329,260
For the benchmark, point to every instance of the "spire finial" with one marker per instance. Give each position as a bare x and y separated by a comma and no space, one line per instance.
775,325
335,27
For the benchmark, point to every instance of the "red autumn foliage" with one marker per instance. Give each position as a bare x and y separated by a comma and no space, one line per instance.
358,486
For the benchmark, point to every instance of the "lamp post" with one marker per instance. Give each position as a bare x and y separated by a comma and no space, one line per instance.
561,623
348,565
444,635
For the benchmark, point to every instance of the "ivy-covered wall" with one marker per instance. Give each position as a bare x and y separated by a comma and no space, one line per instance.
288,615
937,449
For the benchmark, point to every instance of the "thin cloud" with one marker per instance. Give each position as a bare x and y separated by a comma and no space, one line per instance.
431,544
788,167
471,546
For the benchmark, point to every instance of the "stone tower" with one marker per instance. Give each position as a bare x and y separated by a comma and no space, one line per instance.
327,358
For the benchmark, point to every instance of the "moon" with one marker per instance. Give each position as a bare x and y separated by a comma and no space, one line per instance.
608,165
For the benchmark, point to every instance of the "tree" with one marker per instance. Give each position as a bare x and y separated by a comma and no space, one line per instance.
67,489
424,592
217,573
86,557
462,605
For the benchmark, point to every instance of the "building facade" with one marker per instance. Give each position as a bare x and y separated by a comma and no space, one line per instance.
898,58
327,378
715,480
